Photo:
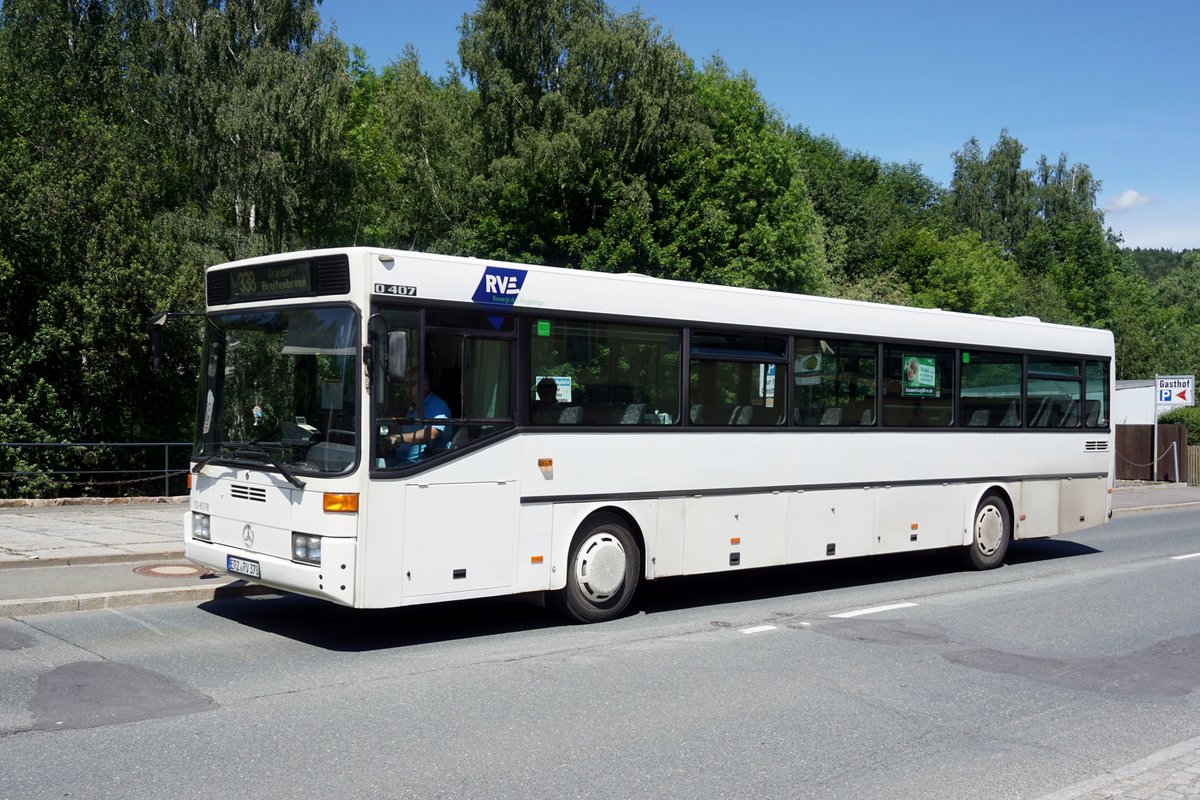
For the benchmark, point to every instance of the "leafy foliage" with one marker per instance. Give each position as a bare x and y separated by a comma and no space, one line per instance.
141,140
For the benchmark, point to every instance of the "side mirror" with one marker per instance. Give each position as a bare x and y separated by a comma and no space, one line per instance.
397,355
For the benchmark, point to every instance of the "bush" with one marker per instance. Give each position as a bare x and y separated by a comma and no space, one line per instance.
1189,416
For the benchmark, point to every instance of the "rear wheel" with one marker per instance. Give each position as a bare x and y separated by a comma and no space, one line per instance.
991,533
602,571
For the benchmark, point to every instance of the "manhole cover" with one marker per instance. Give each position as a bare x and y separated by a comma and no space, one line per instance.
171,571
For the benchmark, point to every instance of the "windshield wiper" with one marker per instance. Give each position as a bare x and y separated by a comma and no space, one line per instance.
248,449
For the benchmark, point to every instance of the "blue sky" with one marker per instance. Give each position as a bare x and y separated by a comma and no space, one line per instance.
1115,85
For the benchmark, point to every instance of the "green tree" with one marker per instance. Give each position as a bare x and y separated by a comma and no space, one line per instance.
737,211
577,110
417,153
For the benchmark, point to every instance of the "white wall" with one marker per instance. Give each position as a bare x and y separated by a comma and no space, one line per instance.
1134,405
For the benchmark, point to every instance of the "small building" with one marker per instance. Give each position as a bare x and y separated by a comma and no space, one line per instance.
1133,403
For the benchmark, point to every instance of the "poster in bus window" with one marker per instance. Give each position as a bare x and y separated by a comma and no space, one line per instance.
766,382
919,377
562,384
808,369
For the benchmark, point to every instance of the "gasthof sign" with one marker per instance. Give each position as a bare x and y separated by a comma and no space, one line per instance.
1175,390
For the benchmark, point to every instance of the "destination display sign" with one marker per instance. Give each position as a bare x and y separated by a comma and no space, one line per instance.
267,281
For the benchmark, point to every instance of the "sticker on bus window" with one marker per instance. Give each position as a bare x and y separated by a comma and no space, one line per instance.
919,376
331,394
208,412
808,369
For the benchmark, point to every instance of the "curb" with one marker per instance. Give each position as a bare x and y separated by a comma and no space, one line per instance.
59,502
1167,507
75,561
127,599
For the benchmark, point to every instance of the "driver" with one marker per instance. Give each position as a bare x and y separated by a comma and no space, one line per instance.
414,439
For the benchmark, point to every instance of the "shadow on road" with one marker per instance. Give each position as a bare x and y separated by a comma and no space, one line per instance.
330,627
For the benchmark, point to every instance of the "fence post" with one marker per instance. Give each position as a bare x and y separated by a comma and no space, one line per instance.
166,470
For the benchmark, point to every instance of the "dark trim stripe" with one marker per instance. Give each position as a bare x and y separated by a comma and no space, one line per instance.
812,487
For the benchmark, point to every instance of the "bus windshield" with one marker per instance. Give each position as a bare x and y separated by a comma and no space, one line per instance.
279,387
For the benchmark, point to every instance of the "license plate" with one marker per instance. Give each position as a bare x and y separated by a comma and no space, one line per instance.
243,566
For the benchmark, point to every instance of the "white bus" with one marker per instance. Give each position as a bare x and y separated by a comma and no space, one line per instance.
385,428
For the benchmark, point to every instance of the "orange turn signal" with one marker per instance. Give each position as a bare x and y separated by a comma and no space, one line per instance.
535,559
545,463
347,503
735,540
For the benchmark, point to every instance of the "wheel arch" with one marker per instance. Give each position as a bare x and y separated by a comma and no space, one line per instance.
629,519
1004,492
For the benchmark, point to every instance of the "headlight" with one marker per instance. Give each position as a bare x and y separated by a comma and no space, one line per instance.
200,527
306,548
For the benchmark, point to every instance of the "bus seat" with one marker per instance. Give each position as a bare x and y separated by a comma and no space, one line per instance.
1091,416
832,416
868,417
633,414
1041,416
765,416
742,415
1070,418
1011,418
571,415
979,418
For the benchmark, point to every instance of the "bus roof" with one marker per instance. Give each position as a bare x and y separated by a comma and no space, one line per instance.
635,296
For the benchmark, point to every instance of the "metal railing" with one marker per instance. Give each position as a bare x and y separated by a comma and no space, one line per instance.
146,473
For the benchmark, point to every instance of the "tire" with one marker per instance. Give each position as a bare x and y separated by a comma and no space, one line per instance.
603,567
991,533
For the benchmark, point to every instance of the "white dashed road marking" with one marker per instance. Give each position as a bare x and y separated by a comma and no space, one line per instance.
875,610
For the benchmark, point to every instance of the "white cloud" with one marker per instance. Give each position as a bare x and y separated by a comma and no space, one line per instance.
1130,198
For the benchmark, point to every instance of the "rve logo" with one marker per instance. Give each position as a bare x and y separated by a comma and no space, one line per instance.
499,286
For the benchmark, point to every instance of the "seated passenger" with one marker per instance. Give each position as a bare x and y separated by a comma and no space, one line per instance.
547,410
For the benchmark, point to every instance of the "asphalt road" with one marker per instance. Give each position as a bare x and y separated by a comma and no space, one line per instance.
1079,656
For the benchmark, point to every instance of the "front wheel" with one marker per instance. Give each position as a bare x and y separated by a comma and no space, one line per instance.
602,571
991,533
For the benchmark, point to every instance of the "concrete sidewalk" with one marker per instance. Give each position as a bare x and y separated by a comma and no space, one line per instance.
79,556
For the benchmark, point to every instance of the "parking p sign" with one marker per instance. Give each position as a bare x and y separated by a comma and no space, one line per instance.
1175,390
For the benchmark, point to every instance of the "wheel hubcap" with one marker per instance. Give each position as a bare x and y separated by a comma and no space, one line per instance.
989,530
600,566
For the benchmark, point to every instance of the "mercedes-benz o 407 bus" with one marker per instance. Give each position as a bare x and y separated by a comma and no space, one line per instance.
384,428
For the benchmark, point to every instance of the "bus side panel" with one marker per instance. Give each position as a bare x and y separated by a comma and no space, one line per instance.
1083,503
535,547
916,517
1038,509
665,557
458,537
732,532
832,524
